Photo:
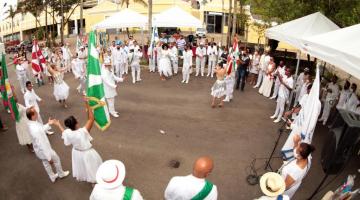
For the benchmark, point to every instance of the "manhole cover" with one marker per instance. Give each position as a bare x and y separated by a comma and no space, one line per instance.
174,164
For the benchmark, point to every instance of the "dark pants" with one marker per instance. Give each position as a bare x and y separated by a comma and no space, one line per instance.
241,77
1,124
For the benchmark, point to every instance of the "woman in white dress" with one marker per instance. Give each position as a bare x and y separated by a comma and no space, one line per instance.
294,171
85,160
61,89
268,82
254,69
165,62
22,129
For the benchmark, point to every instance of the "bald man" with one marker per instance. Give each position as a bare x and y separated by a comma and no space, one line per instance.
193,186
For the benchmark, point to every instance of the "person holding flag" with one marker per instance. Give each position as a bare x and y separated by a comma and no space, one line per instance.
38,62
95,87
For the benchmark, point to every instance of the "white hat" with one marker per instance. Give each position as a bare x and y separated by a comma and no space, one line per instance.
110,174
107,61
272,184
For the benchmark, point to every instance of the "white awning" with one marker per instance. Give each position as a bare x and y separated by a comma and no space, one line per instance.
176,17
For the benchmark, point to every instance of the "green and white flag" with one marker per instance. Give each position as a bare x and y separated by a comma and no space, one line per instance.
95,88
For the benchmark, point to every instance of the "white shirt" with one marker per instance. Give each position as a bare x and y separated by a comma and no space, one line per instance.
100,193
264,62
109,80
31,99
119,55
187,56
352,102
344,96
334,91
78,68
134,58
66,52
174,52
212,52
186,187
82,55
40,141
200,52
283,91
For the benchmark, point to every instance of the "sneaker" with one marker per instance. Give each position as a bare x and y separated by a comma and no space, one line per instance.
255,86
183,81
115,115
49,132
273,117
277,120
138,80
54,177
187,82
272,97
65,174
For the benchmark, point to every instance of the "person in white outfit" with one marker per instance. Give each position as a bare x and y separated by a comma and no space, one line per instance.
294,171
66,56
22,73
42,145
195,185
134,57
22,129
164,62
299,83
280,71
286,85
187,63
344,96
31,100
126,50
85,159
264,63
352,103
119,55
79,71
331,98
152,59
273,186
212,52
109,178
110,80
200,59
174,58
61,89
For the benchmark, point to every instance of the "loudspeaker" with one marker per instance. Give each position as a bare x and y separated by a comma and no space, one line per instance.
341,142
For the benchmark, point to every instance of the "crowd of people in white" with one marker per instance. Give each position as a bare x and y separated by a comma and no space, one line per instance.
258,69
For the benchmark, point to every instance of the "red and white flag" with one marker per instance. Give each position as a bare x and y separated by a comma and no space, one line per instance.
38,61
233,56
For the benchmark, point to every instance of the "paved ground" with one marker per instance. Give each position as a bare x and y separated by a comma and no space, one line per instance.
233,136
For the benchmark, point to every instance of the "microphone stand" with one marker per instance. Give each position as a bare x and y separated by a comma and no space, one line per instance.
267,163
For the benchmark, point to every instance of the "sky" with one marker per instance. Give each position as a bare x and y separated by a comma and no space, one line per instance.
4,9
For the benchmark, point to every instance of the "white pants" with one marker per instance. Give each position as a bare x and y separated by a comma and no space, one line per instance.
280,106
175,64
152,64
22,82
260,78
211,67
135,69
119,69
230,81
126,67
67,63
111,105
200,66
186,73
326,111
55,158
276,88
82,85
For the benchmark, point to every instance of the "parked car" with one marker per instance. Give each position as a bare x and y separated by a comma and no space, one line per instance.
201,32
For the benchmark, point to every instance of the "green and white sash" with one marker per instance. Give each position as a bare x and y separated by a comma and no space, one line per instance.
128,193
205,191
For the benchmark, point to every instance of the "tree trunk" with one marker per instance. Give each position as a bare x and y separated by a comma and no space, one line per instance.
228,38
53,29
127,29
81,17
150,19
62,24
234,18
223,23
46,23
12,28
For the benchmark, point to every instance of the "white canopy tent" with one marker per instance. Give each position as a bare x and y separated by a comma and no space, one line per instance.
176,17
126,18
295,31
340,48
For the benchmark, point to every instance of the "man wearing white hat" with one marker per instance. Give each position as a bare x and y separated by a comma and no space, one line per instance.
134,60
21,73
42,145
119,62
193,186
200,59
109,178
110,81
273,186
67,56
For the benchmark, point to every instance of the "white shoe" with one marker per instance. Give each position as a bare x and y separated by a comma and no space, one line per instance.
115,115
187,82
197,75
255,86
138,80
226,100
65,174
324,123
277,120
54,177
273,117
272,97
49,132
183,81
133,81
208,75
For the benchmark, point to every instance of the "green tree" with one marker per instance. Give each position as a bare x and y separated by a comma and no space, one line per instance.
127,3
11,14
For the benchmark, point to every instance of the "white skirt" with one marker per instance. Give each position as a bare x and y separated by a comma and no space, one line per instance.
85,164
22,132
165,67
266,86
218,90
61,91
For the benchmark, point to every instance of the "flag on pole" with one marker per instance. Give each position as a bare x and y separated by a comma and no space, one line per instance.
38,61
78,44
95,88
154,39
7,93
233,56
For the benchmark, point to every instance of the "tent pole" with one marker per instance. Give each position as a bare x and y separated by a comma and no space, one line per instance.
142,36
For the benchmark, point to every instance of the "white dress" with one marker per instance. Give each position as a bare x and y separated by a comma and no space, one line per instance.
85,160
61,89
165,63
22,129
267,84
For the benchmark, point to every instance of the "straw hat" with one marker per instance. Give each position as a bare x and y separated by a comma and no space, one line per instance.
272,184
110,174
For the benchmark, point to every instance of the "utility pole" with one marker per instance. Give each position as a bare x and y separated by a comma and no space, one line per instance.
81,16
62,22
150,18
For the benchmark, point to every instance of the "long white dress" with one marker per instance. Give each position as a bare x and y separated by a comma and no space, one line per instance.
165,63
22,129
267,84
61,89
85,160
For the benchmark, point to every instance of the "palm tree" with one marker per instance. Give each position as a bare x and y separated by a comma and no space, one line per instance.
127,2
12,14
